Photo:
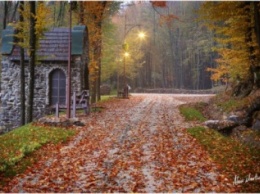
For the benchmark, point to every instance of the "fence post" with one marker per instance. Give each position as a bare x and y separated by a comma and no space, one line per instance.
57,110
74,105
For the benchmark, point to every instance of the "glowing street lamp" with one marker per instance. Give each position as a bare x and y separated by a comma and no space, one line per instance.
126,54
141,35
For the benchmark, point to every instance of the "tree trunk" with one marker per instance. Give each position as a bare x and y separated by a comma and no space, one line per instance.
81,13
14,12
97,55
85,77
172,72
244,87
99,50
5,14
99,81
61,14
22,80
257,21
95,75
93,91
32,51
256,69
86,62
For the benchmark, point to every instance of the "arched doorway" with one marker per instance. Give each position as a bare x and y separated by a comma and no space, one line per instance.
57,87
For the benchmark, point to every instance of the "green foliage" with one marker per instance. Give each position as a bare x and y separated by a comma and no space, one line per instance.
191,114
195,131
24,140
235,158
105,97
229,105
110,61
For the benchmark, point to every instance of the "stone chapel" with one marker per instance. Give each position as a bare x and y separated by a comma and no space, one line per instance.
50,72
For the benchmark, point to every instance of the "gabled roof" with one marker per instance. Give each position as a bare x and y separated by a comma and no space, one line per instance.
53,46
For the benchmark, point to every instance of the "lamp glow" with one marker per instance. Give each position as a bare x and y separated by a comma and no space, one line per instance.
126,54
141,35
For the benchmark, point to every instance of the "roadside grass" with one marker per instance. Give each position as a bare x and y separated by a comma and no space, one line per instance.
18,145
107,97
191,114
227,103
235,159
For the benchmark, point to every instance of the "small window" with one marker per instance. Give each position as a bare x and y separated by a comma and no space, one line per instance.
57,87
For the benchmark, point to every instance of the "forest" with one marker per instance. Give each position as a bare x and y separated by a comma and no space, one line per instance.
203,138
187,45
175,52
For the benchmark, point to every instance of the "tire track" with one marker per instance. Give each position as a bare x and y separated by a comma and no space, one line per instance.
136,145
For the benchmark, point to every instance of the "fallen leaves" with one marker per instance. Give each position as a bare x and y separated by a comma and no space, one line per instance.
135,145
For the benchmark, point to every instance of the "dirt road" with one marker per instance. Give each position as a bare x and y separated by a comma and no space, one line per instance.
134,145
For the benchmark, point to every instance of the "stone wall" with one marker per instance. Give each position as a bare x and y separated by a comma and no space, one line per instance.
173,91
10,90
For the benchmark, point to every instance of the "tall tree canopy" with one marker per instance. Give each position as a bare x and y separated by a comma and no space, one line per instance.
33,22
175,53
92,14
236,29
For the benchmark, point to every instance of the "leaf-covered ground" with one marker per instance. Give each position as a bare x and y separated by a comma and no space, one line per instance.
134,145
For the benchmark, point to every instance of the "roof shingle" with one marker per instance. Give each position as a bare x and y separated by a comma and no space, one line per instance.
53,46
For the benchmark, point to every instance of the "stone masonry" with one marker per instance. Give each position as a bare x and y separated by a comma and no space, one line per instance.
10,90
52,54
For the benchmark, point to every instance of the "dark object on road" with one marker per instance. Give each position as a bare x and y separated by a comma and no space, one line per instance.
105,89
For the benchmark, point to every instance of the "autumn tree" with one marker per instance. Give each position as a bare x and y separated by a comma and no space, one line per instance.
33,22
236,35
95,12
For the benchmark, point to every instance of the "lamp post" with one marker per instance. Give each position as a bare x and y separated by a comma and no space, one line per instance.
141,35
126,54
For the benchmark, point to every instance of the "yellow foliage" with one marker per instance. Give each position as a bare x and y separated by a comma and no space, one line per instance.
43,21
93,14
232,23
